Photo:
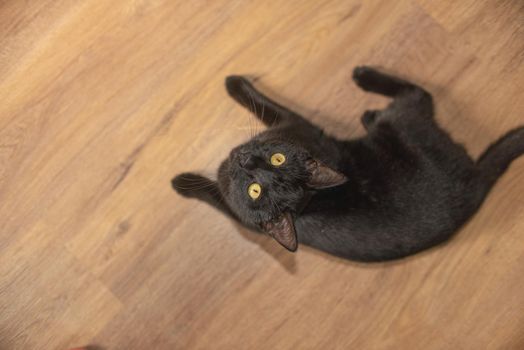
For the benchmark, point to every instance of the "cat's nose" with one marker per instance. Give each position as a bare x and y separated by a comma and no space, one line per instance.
244,158
247,161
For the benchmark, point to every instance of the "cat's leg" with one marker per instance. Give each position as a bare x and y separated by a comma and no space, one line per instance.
406,95
267,110
196,186
410,114
370,79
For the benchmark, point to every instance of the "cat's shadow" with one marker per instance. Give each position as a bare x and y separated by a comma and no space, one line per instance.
286,259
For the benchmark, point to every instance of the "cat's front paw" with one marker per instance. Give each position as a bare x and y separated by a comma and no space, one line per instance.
189,184
236,84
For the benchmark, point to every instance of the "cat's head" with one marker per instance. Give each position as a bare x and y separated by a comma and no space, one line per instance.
268,180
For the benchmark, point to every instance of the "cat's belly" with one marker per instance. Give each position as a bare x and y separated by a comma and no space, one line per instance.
368,235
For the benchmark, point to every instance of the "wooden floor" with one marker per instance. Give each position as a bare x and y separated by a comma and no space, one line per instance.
103,102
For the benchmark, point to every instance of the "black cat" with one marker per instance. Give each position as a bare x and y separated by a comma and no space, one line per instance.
402,188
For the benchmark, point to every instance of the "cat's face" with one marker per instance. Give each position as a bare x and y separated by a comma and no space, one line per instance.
266,181
261,179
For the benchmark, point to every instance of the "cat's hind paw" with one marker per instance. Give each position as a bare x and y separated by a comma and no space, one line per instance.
368,118
366,77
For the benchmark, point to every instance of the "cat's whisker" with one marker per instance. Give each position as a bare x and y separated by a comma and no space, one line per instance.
217,194
204,174
257,121
243,128
251,111
194,188
196,181
254,112
196,184
252,99
275,119
263,111
275,204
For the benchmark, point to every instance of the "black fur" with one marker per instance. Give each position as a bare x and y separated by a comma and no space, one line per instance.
409,186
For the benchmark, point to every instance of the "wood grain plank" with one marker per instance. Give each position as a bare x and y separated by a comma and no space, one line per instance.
103,102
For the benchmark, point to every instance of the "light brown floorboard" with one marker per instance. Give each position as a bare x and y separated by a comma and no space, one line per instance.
103,102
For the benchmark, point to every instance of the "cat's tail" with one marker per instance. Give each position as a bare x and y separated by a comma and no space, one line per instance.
499,155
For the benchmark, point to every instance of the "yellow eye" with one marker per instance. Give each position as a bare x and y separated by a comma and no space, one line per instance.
254,190
278,159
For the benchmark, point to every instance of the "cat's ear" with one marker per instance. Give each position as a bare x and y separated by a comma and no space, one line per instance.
322,176
283,231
